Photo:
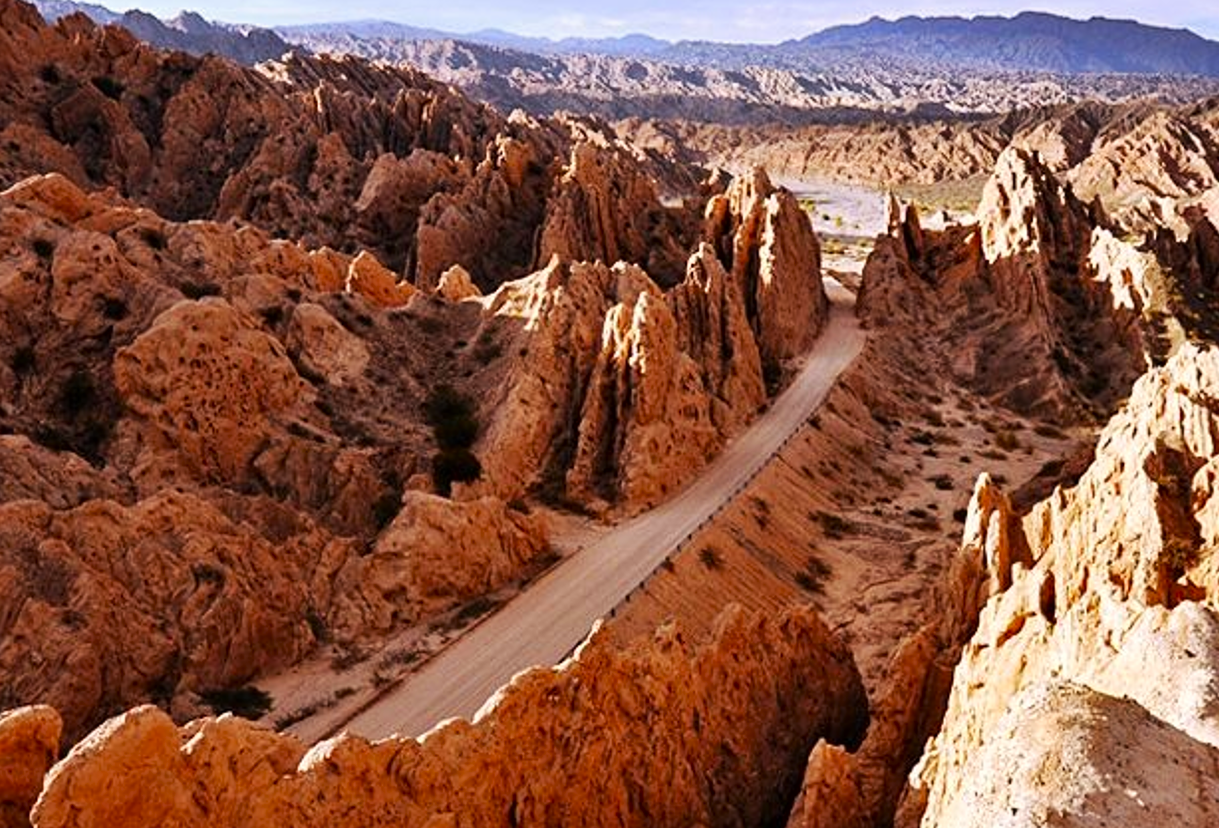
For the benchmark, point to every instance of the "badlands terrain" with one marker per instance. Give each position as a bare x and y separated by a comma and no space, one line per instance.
833,474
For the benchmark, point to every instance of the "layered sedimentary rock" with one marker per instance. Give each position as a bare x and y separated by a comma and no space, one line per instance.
1109,585
621,390
605,208
662,733
765,240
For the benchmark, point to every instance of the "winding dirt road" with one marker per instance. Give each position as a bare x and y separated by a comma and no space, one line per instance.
544,623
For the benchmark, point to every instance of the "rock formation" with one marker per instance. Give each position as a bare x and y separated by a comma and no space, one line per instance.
621,390
605,209
1050,313
765,240
1113,594
661,733
197,463
436,553
29,745
338,153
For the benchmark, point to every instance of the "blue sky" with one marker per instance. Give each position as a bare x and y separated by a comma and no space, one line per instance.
725,20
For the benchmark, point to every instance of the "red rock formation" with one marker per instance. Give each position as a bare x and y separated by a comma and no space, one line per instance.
661,733
765,240
341,153
1117,569
29,745
621,390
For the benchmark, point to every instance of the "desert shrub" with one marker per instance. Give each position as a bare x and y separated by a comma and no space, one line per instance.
248,702
446,403
24,361
711,558
77,394
44,248
454,465
451,415
812,578
114,309
832,525
198,290
386,508
50,74
317,625
1007,440
109,87
459,432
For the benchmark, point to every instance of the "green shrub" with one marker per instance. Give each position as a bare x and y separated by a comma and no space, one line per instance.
456,465
248,702
109,87
77,394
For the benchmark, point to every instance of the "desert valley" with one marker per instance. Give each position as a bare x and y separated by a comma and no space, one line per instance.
409,428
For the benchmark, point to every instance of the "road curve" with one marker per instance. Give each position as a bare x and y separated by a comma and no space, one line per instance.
543,624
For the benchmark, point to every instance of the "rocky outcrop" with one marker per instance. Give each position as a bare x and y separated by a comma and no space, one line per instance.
767,243
323,347
1059,753
713,329
621,390
665,733
331,152
215,415
109,603
605,209
29,745
456,285
1117,569
206,436
1143,173
437,553
1049,312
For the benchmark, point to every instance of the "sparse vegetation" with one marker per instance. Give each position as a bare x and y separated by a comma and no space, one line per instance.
832,525
110,87
1007,440
198,290
249,702
455,428
711,558
815,572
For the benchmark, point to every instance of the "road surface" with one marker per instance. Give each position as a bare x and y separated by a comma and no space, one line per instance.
543,624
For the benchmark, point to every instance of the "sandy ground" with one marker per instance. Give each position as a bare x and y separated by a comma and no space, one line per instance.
859,520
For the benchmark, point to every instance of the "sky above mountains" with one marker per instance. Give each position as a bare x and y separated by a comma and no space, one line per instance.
721,20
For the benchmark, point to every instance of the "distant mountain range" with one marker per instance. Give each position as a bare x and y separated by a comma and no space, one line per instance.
188,32
1028,42
926,66
632,45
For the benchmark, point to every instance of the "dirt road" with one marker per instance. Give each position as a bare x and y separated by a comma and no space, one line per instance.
544,623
